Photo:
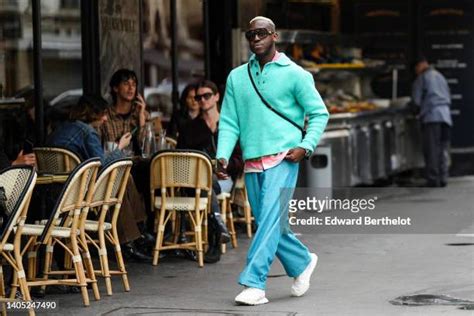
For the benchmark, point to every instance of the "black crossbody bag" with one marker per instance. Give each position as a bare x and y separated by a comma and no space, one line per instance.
303,132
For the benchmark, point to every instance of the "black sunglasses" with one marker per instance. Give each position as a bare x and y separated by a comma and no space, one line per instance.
261,33
206,96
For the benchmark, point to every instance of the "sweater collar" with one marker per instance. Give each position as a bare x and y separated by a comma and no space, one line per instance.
282,60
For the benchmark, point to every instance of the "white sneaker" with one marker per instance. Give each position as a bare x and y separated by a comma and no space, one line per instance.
251,296
301,282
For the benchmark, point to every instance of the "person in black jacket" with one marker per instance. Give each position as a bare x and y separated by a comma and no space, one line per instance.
201,134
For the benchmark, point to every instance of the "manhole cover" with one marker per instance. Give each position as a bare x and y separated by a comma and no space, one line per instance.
129,311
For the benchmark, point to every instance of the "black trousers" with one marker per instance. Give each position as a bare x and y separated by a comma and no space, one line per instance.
436,138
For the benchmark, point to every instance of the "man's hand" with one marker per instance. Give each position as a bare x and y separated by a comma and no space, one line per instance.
295,154
141,107
221,169
124,141
28,159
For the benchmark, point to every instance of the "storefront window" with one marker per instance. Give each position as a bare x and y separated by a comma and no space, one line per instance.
61,60
157,48
61,46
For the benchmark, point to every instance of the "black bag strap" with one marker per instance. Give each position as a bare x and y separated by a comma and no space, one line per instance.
270,107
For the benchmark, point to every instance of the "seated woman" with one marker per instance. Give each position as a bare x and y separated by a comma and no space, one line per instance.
189,110
79,135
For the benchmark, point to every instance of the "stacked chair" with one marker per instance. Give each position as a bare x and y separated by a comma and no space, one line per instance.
18,183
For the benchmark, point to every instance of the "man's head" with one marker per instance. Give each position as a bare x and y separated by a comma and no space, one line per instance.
123,85
421,64
261,36
207,95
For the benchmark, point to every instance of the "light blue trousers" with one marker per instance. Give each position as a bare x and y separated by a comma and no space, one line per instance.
272,236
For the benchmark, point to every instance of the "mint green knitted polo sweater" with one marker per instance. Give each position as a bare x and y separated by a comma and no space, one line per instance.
290,90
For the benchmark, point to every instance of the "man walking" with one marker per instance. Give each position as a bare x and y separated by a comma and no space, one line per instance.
267,116
431,94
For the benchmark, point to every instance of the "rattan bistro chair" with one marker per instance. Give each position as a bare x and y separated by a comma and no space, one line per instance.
172,143
170,170
107,200
239,199
18,183
53,160
224,202
63,228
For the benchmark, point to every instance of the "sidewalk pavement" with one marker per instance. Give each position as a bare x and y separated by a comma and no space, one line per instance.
356,275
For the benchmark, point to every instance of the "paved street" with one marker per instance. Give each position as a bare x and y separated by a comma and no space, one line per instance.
356,275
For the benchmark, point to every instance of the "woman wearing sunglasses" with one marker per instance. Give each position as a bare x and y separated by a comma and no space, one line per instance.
264,107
